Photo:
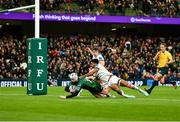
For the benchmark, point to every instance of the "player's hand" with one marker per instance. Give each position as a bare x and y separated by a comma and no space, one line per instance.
88,49
62,97
159,52
166,65
72,90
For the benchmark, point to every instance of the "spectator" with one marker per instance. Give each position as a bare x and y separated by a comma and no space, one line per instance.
164,8
69,55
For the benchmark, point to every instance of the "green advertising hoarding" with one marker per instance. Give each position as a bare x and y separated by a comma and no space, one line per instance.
37,66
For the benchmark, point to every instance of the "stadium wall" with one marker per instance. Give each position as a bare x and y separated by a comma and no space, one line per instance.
64,82
27,28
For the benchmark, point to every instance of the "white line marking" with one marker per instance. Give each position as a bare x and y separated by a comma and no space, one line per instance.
140,99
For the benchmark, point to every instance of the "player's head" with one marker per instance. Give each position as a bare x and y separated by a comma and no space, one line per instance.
73,77
94,62
95,52
163,47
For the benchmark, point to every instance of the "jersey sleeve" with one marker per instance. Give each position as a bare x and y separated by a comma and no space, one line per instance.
97,67
78,88
169,56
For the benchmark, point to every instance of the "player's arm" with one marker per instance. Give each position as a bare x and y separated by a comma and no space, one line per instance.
157,55
170,59
69,96
95,70
74,92
72,95
90,51
102,62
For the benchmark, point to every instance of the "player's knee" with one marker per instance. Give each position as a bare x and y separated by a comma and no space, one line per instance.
105,91
157,78
162,81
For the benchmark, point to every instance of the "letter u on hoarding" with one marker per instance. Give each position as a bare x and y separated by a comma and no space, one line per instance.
38,86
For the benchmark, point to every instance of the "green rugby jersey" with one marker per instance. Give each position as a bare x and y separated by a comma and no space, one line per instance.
82,83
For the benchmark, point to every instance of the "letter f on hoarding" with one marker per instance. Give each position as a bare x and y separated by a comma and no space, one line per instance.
39,72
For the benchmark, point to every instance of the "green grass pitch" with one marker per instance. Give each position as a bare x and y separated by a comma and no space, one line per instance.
162,105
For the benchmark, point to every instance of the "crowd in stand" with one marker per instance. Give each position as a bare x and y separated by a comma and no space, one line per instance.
164,8
130,57
12,58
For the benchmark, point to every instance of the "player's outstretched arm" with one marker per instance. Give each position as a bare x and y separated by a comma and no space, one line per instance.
157,55
89,73
89,50
69,96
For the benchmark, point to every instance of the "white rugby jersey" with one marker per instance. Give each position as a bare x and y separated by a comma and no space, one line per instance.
99,57
102,74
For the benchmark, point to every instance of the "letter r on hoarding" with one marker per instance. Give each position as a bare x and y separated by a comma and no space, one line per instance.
29,59
40,59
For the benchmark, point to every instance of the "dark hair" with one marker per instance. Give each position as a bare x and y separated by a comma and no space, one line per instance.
95,49
95,61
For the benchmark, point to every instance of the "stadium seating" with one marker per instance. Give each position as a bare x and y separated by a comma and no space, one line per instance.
158,8
69,54
65,55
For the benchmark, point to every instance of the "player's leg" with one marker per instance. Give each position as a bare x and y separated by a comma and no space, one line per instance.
148,75
162,80
131,86
99,91
120,92
98,95
166,80
114,85
158,77
105,90
163,71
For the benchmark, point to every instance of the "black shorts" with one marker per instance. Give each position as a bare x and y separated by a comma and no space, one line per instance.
163,70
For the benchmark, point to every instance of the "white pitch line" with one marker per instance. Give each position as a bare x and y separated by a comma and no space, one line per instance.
140,99
24,95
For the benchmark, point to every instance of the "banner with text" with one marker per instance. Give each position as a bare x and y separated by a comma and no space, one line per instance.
90,18
65,82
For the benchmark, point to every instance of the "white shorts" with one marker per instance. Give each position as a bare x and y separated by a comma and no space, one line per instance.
114,80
